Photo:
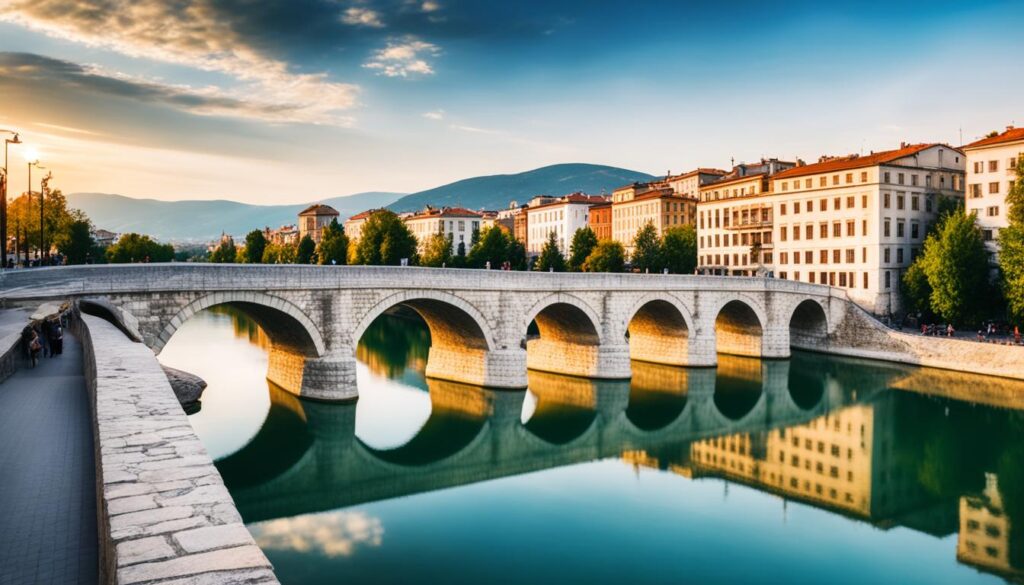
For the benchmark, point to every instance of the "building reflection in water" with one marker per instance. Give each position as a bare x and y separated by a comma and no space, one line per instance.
825,432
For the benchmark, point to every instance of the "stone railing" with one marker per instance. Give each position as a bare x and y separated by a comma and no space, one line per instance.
12,354
164,514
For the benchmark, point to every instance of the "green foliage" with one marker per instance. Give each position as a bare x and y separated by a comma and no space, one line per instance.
583,243
956,264
550,258
679,249
225,253
438,251
307,250
492,245
255,245
1011,264
280,254
333,245
517,255
647,249
138,248
78,246
608,256
916,290
385,240
1015,198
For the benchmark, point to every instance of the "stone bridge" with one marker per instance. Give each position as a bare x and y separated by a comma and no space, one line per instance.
474,434
587,325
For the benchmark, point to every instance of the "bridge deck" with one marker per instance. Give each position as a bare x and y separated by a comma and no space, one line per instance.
47,476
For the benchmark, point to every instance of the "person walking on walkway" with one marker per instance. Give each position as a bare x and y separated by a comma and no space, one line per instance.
32,344
56,337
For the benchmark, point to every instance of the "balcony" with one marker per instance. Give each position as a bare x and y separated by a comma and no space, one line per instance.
750,225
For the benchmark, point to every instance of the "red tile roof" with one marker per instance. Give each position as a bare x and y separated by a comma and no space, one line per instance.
319,209
1011,135
363,214
855,161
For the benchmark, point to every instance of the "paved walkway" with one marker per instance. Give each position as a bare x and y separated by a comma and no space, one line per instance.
47,476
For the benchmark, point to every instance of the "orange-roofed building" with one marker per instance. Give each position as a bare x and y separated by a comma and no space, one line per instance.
313,219
458,222
354,225
991,172
561,217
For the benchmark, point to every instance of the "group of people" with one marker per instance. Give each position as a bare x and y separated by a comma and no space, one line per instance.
44,337
991,331
938,330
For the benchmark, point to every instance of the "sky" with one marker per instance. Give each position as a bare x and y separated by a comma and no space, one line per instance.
288,101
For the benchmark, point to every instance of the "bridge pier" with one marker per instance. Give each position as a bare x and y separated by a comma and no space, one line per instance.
775,341
491,369
330,378
608,361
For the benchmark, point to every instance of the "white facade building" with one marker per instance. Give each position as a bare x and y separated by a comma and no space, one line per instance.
562,217
855,222
457,222
991,172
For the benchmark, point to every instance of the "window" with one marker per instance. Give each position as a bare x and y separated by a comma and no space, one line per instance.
993,166
808,257
783,232
900,178
913,180
992,211
900,228
836,258
849,178
836,204
864,201
974,190
849,202
864,177
842,282
993,187
807,183
796,207
850,229
796,232
823,256
986,235
850,256
915,203
886,228
796,257
835,179
915,230
901,201
886,255
785,185
784,258
888,280
928,203
864,227
899,256
886,175
822,182
809,232
782,209
885,200
810,277
823,230
865,280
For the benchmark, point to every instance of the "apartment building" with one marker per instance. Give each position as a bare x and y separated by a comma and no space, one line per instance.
354,225
991,172
562,217
458,222
313,220
636,205
601,220
855,222
689,184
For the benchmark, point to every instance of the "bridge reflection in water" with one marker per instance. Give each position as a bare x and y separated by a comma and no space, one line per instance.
826,432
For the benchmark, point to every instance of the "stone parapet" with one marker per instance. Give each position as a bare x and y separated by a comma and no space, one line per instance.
164,515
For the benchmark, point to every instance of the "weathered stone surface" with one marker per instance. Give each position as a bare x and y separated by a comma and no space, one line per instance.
165,513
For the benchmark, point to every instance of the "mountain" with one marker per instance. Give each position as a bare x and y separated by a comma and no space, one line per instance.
204,220
495,191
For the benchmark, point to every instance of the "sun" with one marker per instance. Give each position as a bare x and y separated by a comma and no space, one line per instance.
31,155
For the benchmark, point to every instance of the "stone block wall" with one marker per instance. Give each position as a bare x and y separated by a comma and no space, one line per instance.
164,515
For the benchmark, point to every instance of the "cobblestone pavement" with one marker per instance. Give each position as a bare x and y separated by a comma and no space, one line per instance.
47,476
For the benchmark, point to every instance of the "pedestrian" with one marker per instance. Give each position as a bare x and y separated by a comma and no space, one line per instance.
949,330
56,338
1016,335
34,347
981,336
40,331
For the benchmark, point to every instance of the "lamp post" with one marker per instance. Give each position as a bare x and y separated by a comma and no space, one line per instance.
35,163
44,187
3,197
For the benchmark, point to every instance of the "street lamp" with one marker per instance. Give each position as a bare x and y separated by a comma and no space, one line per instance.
3,197
35,163
44,186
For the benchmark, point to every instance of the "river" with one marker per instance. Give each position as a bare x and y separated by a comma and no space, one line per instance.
809,470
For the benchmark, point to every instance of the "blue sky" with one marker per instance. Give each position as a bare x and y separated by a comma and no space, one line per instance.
294,100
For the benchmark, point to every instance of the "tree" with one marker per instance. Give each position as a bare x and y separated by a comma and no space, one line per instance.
385,240
225,253
1011,248
679,249
916,290
583,243
255,245
438,251
956,265
134,247
492,245
517,255
333,245
307,250
608,256
280,254
647,249
78,246
551,259
23,220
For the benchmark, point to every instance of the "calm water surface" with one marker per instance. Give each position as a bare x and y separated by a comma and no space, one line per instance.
807,470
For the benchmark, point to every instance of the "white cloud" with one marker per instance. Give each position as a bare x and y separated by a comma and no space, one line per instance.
434,115
403,57
430,6
196,35
332,534
360,16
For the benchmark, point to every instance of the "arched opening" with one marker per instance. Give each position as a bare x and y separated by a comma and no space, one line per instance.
398,329
738,330
657,395
562,338
559,409
808,327
739,384
658,334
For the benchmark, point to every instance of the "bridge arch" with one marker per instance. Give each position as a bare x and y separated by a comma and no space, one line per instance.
452,320
658,327
570,336
808,326
288,326
739,326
